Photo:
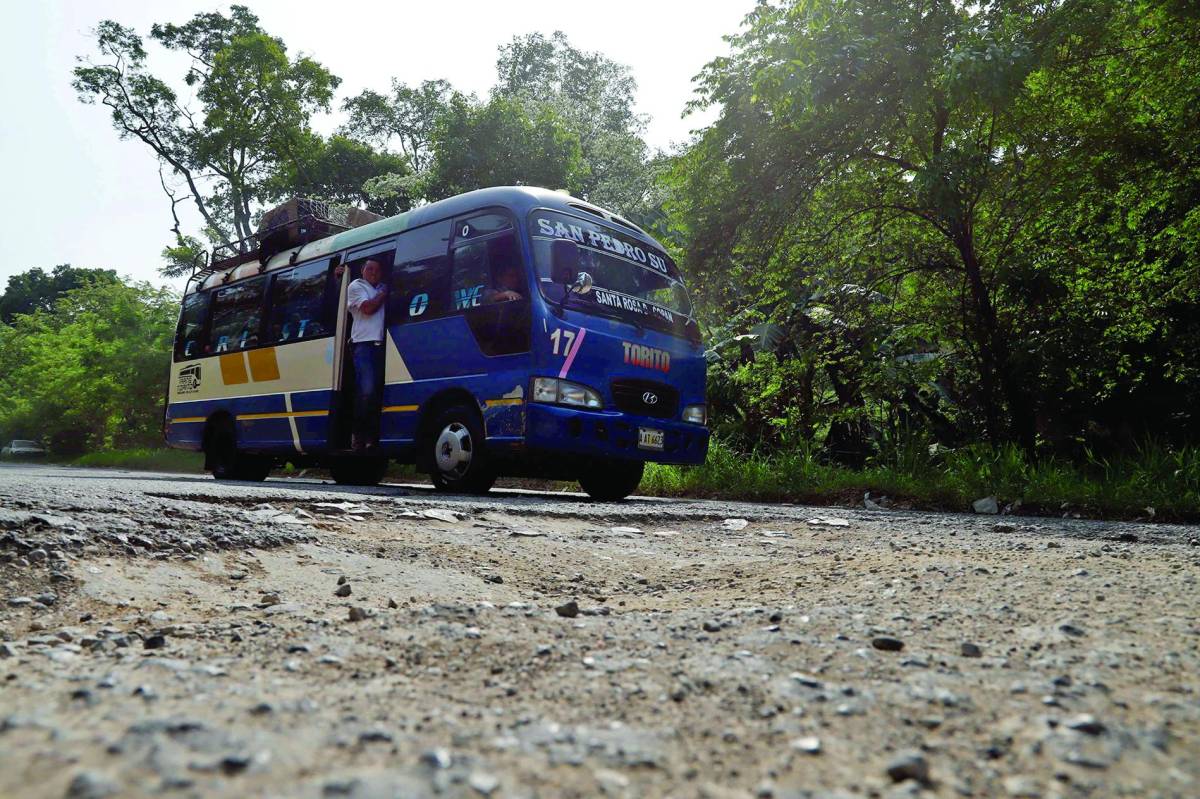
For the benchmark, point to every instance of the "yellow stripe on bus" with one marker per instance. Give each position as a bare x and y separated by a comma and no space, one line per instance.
186,419
281,415
401,408
503,401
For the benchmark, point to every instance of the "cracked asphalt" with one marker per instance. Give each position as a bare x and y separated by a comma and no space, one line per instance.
168,635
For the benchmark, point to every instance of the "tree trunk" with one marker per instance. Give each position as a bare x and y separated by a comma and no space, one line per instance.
997,376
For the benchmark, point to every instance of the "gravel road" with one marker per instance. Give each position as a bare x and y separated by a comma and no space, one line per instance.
166,635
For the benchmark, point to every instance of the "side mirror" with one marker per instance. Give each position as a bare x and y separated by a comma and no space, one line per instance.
564,261
582,284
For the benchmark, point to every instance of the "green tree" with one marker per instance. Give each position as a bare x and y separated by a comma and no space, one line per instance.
37,290
1107,270
406,118
839,112
1016,178
594,97
91,371
246,113
499,144
539,78
338,170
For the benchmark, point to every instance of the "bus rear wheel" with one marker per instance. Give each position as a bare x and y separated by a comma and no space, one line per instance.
612,481
358,471
226,463
459,460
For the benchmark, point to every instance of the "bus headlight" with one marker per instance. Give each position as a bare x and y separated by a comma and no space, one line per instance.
545,389
564,392
575,394
696,414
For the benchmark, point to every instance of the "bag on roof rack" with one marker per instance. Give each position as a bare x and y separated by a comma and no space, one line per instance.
292,224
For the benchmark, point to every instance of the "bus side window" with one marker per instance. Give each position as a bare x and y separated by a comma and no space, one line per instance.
486,261
191,325
489,284
237,316
470,275
300,306
420,287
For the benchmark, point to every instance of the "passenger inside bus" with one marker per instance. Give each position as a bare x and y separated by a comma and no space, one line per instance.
506,284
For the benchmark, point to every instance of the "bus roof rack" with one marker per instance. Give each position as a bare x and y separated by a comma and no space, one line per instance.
295,223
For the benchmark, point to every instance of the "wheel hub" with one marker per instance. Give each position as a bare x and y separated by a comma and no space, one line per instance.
454,450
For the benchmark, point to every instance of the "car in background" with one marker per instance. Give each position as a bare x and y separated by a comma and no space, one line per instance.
23,448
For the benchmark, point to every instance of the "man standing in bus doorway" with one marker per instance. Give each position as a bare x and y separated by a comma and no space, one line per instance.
365,299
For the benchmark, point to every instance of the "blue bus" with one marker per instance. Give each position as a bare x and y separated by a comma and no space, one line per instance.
595,370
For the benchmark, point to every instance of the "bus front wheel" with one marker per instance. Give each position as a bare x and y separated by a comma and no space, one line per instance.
460,463
612,481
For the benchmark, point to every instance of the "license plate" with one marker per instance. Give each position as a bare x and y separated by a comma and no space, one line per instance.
649,438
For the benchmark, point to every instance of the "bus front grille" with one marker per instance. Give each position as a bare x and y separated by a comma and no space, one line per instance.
645,398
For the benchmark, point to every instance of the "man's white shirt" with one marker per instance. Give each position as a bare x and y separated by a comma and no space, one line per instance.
366,327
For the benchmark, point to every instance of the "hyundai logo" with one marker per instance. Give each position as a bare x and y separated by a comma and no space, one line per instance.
650,398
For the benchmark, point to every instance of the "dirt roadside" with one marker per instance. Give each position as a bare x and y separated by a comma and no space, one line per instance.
168,636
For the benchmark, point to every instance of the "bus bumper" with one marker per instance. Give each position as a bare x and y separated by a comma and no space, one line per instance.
611,434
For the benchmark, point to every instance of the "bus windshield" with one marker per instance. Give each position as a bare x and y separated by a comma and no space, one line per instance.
631,281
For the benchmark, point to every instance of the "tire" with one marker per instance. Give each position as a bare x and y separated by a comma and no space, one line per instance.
612,481
358,471
254,468
458,457
224,460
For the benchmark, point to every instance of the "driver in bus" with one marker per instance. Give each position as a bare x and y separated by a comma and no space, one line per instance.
364,299
508,285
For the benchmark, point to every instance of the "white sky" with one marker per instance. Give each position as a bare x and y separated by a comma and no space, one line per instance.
72,192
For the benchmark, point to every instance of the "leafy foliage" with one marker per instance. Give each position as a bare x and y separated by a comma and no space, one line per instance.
500,144
339,169
90,371
557,117
233,134
593,96
229,134
1151,481
407,118
1007,180
37,290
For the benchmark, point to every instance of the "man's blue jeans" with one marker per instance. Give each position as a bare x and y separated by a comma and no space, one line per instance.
368,378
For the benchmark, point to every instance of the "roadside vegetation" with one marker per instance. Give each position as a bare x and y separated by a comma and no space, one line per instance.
1152,483
143,459
939,253
83,364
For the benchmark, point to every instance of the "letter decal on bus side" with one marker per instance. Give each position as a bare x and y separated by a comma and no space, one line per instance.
418,305
468,297
647,357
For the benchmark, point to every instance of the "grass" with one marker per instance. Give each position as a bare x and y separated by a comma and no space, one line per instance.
1153,476
1154,481
144,459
